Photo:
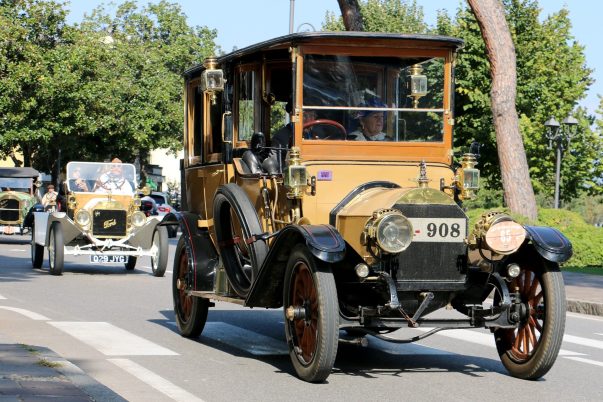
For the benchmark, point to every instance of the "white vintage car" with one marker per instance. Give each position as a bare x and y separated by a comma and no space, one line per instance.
102,220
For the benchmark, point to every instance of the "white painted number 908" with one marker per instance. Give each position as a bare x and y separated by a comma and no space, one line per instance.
443,230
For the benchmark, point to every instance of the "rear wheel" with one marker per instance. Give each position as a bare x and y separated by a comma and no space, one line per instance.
160,245
191,312
56,249
311,316
236,221
529,351
37,251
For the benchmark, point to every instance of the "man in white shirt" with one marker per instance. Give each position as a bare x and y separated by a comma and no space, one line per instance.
113,181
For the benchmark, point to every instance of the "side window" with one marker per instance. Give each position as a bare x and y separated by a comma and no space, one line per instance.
194,123
246,91
213,138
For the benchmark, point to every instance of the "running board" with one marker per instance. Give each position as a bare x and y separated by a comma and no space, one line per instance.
213,296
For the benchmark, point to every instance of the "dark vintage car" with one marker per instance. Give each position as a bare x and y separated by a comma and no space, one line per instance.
319,178
17,197
102,220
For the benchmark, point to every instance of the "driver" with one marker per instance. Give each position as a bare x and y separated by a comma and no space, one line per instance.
370,123
113,181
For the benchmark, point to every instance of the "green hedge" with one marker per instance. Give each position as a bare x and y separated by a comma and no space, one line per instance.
587,240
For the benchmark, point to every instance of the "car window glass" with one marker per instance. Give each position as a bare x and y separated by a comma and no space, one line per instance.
246,91
406,95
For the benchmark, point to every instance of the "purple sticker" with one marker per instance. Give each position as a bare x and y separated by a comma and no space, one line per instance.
324,175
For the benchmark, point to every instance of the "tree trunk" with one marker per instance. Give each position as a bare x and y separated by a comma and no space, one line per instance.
517,186
352,18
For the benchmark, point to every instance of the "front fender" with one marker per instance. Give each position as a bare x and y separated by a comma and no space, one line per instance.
323,241
550,243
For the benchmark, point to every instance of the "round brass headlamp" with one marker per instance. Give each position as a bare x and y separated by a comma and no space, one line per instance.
138,218
82,218
391,231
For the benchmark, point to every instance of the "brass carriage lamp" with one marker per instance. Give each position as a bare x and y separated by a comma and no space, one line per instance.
418,84
212,79
295,176
468,177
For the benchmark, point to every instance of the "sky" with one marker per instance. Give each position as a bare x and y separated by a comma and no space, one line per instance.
240,23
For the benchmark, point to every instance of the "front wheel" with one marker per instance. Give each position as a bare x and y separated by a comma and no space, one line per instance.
191,312
131,264
311,315
160,245
529,351
37,251
56,249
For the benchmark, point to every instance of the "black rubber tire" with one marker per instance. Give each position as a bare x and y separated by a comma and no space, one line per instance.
37,252
312,340
242,261
131,264
56,248
160,240
190,311
541,287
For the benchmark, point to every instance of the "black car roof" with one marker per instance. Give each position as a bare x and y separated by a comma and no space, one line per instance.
295,39
18,172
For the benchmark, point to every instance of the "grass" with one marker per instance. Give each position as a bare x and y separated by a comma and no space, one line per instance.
584,270
48,363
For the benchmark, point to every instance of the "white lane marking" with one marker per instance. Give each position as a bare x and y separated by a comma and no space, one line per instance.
16,249
159,383
111,340
593,343
597,333
587,361
27,313
483,339
2,297
240,338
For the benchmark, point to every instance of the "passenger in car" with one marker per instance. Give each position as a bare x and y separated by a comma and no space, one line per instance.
76,183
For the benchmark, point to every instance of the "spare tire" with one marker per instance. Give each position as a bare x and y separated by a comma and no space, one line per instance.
236,221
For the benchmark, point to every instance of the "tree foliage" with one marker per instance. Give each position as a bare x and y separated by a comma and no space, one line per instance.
110,86
552,77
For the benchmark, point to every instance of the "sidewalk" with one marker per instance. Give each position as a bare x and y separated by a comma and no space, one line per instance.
584,293
34,373
37,373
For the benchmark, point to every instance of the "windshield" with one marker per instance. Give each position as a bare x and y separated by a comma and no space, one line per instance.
101,177
15,184
355,98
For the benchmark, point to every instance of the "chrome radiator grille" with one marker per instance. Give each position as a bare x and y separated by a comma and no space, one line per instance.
109,223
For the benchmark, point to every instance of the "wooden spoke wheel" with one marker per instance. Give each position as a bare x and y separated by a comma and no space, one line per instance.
530,350
311,316
190,311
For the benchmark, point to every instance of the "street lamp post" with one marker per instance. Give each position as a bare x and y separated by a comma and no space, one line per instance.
557,135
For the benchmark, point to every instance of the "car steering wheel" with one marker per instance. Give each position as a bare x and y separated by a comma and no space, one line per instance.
341,135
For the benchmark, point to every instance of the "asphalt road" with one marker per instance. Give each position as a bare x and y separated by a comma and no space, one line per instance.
118,327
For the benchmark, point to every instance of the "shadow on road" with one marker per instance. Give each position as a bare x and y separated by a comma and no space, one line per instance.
258,328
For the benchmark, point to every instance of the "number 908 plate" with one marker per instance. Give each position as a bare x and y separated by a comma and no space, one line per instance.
446,230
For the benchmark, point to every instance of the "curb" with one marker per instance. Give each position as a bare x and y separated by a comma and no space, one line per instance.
585,307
